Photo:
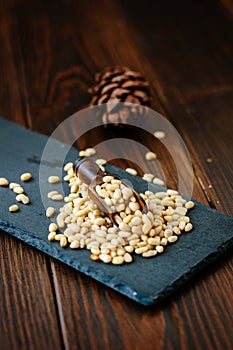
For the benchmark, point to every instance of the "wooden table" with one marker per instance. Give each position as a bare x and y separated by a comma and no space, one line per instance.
49,53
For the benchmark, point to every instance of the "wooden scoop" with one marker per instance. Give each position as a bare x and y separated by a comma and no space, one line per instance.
90,173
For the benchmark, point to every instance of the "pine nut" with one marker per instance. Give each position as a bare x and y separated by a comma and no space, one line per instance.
131,171
189,205
160,195
101,161
128,258
90,151
58,236
63,242
74,245
13,208
4,181
50,212
83,153
26,176
159,134
57,197
108,178
176,230
172,239
52,227
105,258
53,179
118,260
182,225
68,166
126,193
148,177
51,236
141,250
146,228
134,206
159,248
181,210
12,185
22,198
149,253
51,194
158,181
164,241
94,257
150,155
188,227
18,190
154,241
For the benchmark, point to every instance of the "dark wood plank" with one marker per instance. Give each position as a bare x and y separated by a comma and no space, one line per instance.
27,304
176,51
192,77
27,307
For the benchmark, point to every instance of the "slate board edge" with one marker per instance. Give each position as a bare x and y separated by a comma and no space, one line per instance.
201,266
45,247
98,275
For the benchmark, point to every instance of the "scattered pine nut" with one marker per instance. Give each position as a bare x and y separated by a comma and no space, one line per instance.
90,151
13,208
26,176
158,181
150,155
22,198
53,179
87,152
18,190
189,205
13,185
101,161
131,171
148,177
57,197
82,153
159,134
50,212
52,193
4,181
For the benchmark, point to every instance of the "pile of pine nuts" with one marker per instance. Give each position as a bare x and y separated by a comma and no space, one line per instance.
146,234
18,189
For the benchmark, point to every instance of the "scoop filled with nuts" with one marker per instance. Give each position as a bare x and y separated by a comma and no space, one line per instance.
107,191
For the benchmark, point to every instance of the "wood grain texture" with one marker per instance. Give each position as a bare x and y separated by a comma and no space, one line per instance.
49,54
27,302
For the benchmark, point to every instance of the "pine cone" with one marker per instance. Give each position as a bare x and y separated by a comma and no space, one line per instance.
120,84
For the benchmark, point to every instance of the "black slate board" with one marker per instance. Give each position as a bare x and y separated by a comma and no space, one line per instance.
146,280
